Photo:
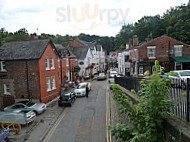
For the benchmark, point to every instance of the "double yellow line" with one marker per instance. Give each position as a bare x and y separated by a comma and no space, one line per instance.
108,121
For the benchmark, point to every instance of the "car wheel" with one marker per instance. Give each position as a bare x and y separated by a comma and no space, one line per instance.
70,104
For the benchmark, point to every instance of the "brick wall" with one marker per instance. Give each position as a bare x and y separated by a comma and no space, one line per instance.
17,72
162,51
45,95
162,48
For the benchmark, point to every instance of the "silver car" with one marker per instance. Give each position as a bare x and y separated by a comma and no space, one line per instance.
38,108
180,78
29,114
101,76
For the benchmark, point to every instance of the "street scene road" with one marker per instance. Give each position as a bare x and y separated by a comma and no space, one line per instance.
85,121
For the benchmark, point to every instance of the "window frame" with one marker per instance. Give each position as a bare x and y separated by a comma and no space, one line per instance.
153,48
3,66
178,52
53,84
141,70
47,63
6,87
52,63
67,62
48,84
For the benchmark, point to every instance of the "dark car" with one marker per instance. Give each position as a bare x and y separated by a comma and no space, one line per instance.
67,99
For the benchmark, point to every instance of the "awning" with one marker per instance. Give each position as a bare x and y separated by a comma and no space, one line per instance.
182,59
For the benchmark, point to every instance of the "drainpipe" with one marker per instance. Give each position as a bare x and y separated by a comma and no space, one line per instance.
27,81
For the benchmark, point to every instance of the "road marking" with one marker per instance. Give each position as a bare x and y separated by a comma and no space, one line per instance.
108,133
49,135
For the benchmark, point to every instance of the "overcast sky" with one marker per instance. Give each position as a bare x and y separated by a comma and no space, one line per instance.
99,17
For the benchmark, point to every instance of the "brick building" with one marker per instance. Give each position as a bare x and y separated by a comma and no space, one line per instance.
171,53
67,62
29,70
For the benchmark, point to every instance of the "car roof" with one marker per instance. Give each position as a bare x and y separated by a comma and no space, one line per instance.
83,83
113,71
181,70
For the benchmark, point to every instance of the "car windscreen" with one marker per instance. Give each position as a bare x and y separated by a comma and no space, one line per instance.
101,74
27,103
81,86
185,73
63,97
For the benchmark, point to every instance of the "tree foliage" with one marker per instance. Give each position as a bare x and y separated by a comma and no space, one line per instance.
146,118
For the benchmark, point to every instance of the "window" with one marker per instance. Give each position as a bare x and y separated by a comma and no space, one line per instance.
178,50
141,70
178,66
68,76
151,52
6,89
3,67
52,63
67,62
53,82
48,84
47,63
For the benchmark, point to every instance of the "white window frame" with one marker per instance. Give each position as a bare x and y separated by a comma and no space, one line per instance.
48,84
6,89
68,75
52,63
3,66
153,53
53,82
141,70
178,50
47,63
180,64
67,62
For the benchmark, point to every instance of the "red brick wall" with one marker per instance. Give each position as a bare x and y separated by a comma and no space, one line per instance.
72,63
162,48
65,68
75,43
46,96
16,70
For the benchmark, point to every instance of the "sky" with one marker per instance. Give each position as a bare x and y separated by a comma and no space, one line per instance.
72,17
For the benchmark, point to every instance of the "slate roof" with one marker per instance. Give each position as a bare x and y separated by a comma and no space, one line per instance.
24,50
80,52
61,49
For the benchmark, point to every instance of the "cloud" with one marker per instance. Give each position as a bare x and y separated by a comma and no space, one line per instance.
111,15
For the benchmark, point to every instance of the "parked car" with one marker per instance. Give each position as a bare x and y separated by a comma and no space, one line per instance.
67,99
81,88
18,116
30,114
101,76
180,78
112,74
38,108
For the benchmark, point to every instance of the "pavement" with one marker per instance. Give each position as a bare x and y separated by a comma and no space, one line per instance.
41,125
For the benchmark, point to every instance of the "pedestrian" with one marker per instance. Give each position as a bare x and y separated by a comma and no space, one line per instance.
87,91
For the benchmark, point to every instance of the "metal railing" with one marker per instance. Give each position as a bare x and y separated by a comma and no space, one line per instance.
179,93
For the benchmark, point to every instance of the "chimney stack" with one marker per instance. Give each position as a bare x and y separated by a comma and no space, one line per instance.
33,36
135,40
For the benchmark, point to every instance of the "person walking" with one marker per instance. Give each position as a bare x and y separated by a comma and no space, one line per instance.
87,91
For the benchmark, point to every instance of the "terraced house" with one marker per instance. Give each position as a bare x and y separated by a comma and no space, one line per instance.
29,70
